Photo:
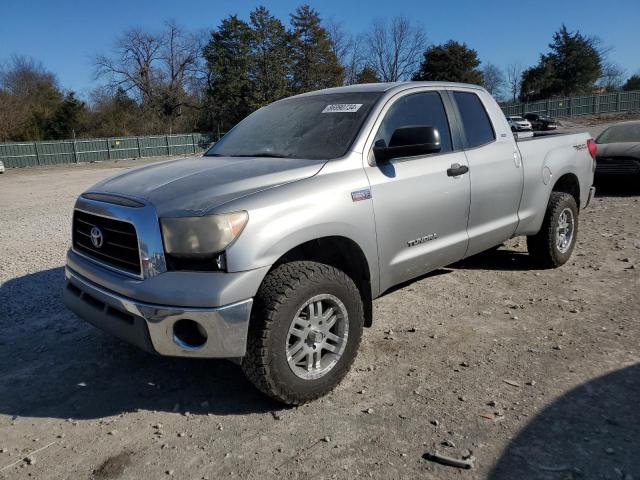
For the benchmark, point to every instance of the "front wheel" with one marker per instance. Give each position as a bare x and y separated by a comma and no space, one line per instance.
553,244
305,331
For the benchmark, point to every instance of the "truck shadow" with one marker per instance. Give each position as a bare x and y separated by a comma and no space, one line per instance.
497,259
593,431
55,365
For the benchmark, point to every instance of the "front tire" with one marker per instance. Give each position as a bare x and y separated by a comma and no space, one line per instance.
552,246
305,331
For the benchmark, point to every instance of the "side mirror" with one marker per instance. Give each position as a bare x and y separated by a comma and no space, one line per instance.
408,142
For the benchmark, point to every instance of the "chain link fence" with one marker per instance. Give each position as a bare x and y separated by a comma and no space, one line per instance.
27,154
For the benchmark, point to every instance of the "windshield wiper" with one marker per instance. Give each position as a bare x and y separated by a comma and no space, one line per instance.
257,155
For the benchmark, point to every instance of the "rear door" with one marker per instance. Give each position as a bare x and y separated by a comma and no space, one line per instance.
420,211
495,171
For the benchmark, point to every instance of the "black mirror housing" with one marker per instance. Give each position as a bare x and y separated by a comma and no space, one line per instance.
409,141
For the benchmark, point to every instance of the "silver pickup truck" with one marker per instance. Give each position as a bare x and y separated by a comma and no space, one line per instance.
270,248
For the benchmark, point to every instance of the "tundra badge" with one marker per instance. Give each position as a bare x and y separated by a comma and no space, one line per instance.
426,238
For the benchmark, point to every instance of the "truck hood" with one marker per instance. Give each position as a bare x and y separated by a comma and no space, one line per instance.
194,186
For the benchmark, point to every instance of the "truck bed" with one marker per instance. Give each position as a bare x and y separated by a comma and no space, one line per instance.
539,135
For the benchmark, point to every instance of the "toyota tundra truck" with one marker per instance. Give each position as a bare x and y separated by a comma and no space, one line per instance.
270,248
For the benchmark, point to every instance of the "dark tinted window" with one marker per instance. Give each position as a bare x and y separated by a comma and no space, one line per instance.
625,132
475,121
313,127
419,109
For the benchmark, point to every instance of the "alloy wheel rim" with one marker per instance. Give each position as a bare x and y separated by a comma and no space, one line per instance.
564,230
317,337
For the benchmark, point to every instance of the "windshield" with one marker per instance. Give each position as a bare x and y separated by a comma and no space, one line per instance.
517,119
626,132
311,127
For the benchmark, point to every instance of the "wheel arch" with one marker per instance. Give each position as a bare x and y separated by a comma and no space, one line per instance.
342,253
568,183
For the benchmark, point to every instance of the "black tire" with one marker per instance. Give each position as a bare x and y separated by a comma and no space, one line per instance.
283,292
542,246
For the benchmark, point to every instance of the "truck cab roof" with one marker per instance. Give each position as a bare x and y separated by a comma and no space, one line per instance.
390,86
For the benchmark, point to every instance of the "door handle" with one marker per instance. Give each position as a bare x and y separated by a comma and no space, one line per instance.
457,169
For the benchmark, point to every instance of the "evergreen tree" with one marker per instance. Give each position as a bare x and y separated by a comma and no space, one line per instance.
537,82
632,83
367,75
228,58
269,70
573,66
314,64
68,118
450,62
576,61
115,114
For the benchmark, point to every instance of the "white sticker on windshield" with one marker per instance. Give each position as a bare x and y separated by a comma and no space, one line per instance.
342,108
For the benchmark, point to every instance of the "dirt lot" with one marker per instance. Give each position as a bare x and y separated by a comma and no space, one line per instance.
535,373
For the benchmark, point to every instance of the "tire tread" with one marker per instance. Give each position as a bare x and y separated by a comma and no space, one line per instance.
274,293
541,246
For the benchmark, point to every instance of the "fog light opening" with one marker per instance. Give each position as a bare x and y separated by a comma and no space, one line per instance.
189,334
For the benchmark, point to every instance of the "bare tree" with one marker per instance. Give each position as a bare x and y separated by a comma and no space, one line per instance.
22,75
612,76
493,79
394,47
132,66
348,49
12,115
29,96
160,70
514,80
356,60
341,41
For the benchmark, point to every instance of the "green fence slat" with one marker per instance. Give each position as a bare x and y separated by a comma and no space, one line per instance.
579,105
55,152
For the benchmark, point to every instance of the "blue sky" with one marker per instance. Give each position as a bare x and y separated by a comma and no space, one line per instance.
65,34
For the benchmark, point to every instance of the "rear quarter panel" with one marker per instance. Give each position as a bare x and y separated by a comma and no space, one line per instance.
560,155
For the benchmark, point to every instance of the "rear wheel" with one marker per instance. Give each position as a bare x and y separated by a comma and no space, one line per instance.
305,332
553,244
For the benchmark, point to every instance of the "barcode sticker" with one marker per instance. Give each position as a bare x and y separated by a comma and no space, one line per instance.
342,108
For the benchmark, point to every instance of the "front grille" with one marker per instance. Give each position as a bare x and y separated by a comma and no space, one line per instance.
119,246
617,166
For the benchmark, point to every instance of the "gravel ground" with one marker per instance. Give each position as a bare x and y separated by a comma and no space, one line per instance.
533,373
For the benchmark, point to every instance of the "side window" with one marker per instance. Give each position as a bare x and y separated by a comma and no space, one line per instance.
475,120
419,109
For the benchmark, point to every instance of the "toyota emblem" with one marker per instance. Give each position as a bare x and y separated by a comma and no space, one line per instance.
96,237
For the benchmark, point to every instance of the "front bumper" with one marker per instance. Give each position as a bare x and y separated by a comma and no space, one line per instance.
151,326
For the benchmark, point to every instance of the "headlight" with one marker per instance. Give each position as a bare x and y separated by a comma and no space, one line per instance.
197,236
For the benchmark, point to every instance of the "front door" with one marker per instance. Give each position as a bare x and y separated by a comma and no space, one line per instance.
421,210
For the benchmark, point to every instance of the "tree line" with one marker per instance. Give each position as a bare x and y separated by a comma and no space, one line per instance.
173,81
